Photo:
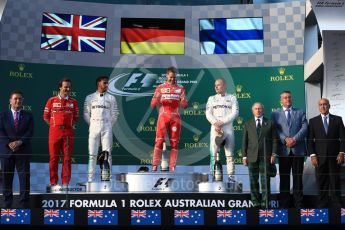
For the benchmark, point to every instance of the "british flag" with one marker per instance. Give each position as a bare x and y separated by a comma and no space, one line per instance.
73,32
95,213
266,213
181,213
51,213
224,213
138,213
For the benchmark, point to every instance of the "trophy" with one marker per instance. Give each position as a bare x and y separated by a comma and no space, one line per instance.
104,165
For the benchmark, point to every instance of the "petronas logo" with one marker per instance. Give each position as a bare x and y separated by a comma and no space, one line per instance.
239,88
281,71
196,138
195,105
152,120
239,120
21,67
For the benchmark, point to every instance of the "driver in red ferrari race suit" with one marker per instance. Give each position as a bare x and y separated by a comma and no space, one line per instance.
169,97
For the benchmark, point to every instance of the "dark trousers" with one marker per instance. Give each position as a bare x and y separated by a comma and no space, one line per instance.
22,165
286,165
255,169
328,177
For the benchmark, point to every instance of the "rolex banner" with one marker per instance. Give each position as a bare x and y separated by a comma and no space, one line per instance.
135,130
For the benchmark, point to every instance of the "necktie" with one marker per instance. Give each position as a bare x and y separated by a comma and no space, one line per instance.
325,124
288,117
258,127
16,120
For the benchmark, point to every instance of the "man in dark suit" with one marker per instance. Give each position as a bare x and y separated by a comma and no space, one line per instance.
16,130
259,148
292,128
326,146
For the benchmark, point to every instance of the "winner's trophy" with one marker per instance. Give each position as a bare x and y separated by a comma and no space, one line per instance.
164,162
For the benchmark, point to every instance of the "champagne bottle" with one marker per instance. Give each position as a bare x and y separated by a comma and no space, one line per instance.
164,163
105,169
218,169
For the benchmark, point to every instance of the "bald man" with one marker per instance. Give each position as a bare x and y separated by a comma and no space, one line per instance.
326,148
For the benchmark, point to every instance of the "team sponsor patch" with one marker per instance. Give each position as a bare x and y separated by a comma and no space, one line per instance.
177,90
170,97
222,107
165,90
57,104
71,105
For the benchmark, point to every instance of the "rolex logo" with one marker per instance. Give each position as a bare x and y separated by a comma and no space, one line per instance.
239,88
196,138
239,152
195,105
239,120
21,67
152,120
281,71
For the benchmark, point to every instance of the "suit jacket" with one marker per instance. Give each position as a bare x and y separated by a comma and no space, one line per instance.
9,134
297,129
254,146
323,144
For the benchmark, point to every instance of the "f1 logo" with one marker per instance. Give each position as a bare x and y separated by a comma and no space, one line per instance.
146,79
162,183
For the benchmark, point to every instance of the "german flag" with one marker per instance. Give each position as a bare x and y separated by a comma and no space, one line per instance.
152,36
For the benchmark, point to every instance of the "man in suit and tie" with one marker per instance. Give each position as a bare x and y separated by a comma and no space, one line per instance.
259,148
292,128
326,145
16,130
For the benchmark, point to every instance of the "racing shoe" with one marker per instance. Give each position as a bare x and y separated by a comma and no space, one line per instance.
154,168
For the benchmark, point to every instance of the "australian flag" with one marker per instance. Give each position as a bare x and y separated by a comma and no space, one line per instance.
58,216
343,215
189,217
15,216
73,32
146,217
314,216
231,217
102,217
273,216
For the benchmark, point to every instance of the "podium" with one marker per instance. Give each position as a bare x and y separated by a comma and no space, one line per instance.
163,181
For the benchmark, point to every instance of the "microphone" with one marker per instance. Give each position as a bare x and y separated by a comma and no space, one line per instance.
101,95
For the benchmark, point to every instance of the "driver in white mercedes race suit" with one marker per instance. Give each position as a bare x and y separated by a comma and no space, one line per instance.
100,112
221,110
